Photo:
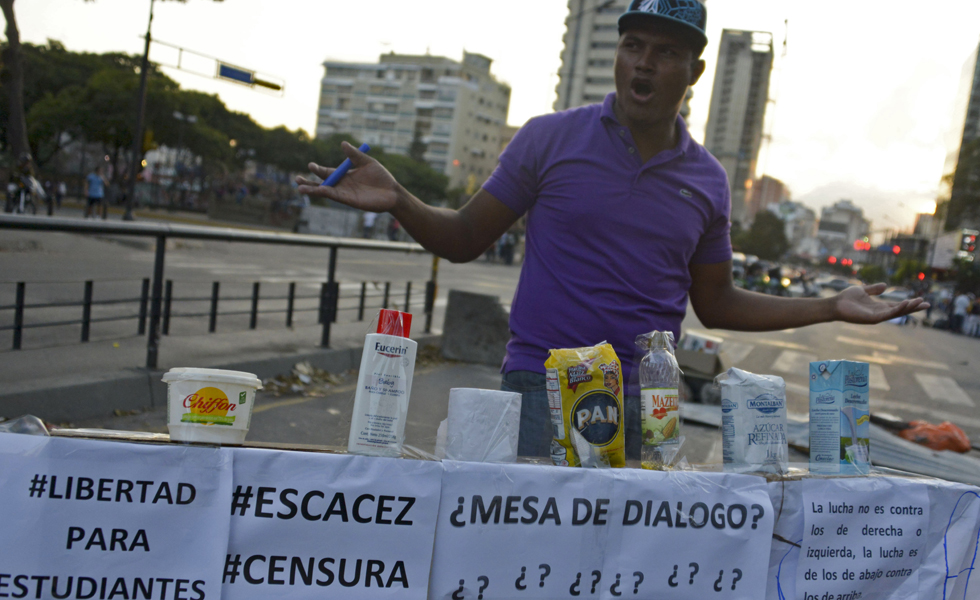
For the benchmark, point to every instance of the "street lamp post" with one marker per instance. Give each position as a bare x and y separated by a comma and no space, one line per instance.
137,149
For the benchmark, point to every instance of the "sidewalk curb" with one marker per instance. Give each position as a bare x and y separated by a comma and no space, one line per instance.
144,390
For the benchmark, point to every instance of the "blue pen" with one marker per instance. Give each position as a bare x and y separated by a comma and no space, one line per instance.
340,171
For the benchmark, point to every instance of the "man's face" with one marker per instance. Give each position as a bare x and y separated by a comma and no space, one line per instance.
654,67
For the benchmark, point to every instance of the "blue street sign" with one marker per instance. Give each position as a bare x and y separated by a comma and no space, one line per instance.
235,74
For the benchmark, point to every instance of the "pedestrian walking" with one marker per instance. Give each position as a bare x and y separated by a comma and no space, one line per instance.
368,228
961,305
973,317
95,186
60,191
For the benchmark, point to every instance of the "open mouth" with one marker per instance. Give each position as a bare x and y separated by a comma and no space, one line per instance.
641,89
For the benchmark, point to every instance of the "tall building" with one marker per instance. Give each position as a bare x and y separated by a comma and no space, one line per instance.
733,133
765,192
964,131
591,35
456,109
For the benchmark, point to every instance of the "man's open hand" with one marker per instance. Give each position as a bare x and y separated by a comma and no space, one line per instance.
856,305
367,186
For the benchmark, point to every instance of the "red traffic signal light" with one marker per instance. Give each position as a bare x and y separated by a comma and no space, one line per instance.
832,260
896,249
922,276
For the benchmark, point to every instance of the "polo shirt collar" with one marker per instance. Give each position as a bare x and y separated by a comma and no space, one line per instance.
608,115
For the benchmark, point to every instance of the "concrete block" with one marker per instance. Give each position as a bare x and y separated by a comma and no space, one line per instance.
476,329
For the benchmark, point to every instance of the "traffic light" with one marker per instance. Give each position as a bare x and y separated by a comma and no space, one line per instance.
896,249
832,260
969,242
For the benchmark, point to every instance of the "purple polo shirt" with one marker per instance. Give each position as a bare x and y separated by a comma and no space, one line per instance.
609,239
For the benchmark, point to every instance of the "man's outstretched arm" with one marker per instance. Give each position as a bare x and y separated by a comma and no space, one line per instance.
457,235
719,304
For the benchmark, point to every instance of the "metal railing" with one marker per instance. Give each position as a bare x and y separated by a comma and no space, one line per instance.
157,297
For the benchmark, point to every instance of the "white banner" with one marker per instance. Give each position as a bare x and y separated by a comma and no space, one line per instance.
524,531
946,546
85,519
310,525
862,538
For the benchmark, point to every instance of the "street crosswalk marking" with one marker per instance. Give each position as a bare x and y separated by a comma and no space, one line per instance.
790,361
782,344
893,359
862,329
867,344
876,378
938,387
926,411
737,351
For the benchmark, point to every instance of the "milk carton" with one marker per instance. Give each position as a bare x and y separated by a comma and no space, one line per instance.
839,417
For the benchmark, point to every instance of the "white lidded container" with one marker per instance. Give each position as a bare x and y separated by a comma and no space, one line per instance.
209,405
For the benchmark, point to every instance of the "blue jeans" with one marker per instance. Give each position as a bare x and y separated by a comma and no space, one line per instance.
536,429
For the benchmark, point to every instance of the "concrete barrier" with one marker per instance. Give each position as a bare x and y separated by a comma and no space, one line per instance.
476,328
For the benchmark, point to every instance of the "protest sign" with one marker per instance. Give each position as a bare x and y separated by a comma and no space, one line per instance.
306,525
523,531
112,521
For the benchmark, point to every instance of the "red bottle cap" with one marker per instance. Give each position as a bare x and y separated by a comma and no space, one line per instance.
394,322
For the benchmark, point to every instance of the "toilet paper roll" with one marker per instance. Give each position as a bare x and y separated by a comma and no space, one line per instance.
483,425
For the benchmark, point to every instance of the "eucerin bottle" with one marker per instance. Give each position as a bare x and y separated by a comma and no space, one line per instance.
384,385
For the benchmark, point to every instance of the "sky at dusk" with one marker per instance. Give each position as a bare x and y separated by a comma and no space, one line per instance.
860,106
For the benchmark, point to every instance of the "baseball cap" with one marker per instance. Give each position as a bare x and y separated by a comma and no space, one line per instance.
691,14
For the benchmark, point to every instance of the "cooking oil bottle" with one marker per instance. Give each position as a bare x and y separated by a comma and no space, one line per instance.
659,383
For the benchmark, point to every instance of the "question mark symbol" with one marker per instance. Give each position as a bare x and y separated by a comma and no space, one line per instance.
486,582
595,582
756,517
694,571
547,571
639,580
718,581
738,576
672,580
573,589
458,594
614,589
518,584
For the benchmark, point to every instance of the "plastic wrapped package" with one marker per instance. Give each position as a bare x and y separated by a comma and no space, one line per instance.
753,421
483,425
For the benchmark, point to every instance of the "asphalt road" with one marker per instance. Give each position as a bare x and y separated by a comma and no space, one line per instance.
916,372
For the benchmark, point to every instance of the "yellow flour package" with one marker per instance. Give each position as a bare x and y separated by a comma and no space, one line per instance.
585,395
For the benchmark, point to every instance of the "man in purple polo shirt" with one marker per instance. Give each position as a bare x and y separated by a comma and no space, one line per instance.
627,218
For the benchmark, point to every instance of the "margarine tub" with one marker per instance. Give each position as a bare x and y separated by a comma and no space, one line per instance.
209,405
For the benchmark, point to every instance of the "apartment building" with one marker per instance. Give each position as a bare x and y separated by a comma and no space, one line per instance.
591,36
733,133
457,110
964,130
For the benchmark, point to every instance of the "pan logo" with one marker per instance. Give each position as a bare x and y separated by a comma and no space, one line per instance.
596,417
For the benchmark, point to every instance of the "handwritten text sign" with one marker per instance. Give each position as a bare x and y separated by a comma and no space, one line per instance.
90,519
525,531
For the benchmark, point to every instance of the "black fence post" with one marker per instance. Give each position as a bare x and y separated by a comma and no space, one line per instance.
408,296
360,304
213,319
290,300
144,302
19,314
384,304
328,298
86,310
168,297
431,289
254,318
153,340
430,302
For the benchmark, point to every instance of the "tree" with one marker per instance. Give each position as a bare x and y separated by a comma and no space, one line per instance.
13,81
765,239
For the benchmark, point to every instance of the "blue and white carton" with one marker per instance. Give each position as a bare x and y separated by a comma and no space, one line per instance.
839,418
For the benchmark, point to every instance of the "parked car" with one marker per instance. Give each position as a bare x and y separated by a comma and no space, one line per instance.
896,294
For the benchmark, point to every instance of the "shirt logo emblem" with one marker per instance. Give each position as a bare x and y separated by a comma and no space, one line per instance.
686,193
